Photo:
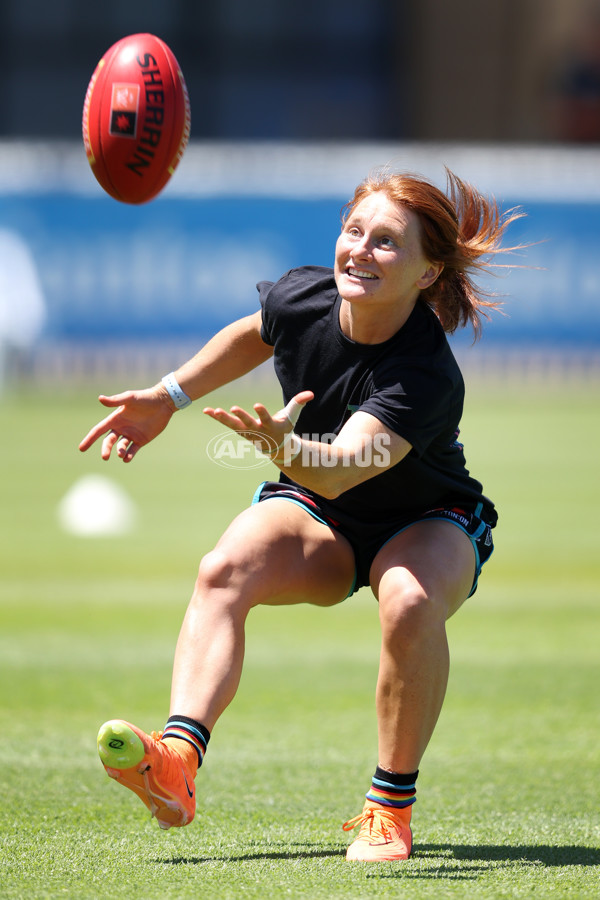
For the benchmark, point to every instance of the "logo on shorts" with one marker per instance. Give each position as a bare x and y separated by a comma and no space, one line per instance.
457,516
124,103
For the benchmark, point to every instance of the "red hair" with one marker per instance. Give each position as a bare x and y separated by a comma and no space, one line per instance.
460,229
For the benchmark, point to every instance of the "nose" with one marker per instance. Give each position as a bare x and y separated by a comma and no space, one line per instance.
362,248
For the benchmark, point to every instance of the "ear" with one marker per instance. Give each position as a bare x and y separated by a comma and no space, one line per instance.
430,274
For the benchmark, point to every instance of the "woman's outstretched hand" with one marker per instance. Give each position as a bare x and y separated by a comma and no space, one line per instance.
264,430
137,418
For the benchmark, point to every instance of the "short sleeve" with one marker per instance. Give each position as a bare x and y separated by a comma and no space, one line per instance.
419,406
264,289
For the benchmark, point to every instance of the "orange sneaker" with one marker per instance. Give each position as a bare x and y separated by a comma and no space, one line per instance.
384,833
151,769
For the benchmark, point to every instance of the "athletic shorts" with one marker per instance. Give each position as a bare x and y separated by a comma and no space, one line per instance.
367,539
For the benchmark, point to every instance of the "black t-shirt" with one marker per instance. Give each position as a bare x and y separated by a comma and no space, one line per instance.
411,383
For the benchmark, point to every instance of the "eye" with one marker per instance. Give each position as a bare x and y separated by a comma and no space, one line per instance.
386,241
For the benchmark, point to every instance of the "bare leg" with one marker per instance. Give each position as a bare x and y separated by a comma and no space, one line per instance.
273,553
420,579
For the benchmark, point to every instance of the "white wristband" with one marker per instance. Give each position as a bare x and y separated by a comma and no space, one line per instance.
177,394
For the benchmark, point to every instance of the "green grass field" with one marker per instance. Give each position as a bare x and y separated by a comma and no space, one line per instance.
509,792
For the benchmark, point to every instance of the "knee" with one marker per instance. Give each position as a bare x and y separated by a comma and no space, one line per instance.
407,612
216,572
222,580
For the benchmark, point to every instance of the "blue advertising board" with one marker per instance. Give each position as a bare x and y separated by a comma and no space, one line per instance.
187,264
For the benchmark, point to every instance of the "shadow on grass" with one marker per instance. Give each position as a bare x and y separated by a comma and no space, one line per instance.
465,862
306,853
446,859
546,855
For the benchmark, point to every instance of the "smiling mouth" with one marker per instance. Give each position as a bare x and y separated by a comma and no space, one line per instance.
361,273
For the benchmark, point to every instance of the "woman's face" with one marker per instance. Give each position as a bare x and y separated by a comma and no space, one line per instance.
379,260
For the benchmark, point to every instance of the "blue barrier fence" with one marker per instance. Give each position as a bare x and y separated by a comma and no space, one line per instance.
186,264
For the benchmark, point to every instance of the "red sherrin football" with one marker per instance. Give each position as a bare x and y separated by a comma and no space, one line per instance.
136,118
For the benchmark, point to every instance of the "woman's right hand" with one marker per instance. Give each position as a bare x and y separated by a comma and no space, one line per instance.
137,418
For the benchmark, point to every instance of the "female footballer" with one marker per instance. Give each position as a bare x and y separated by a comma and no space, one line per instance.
373,487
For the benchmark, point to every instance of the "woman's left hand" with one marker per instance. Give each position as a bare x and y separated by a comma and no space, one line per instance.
267,432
